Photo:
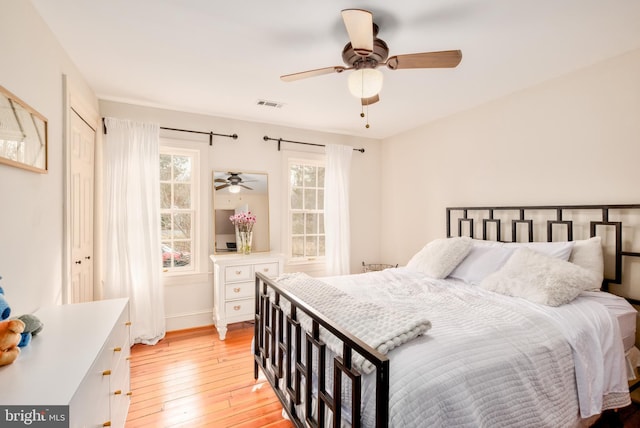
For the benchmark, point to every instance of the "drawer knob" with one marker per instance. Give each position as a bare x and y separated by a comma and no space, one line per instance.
107,424
236,290
236,308
265,270
118,392
106,373
117,349
238,272
129,394
128,323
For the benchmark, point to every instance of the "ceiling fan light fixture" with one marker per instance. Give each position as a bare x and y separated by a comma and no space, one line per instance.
234,188
365,83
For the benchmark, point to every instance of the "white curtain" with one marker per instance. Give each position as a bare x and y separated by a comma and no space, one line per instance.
336,209
132,225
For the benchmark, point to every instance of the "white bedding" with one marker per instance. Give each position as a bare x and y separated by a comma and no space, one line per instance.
492,360
622,311
381,327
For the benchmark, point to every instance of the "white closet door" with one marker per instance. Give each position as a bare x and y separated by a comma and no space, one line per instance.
82,139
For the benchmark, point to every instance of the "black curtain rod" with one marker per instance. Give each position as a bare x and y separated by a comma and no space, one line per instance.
210,134
280,140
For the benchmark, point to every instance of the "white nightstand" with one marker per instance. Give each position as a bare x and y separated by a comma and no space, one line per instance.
234,285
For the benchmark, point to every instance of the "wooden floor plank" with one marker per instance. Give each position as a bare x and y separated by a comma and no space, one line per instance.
191,379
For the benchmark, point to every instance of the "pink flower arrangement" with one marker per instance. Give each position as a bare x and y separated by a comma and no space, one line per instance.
243,221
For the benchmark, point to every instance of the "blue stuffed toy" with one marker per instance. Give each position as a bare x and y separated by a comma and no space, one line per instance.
5,309
32,324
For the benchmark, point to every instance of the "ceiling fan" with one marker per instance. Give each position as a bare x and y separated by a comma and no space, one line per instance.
233,182
365,52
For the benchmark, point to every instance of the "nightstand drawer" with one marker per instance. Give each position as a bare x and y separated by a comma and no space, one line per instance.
239,290
238,273
239,307
268,269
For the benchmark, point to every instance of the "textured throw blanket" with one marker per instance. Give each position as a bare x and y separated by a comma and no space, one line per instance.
380,327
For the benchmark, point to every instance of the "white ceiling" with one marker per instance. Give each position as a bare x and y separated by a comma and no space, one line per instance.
221,57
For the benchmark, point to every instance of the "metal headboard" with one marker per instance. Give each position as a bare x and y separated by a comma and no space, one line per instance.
500,219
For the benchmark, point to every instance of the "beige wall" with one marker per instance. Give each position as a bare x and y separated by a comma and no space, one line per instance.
31,204
572,140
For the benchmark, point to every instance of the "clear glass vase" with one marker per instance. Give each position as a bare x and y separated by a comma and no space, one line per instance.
245,242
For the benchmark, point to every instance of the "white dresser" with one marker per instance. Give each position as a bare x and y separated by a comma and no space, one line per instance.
80,360
234,285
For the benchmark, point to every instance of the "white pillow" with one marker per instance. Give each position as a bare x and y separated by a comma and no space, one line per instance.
587,253
481,261
439,257
539,278
560,250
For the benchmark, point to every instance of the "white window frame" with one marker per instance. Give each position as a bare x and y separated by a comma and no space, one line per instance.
298,158
196,226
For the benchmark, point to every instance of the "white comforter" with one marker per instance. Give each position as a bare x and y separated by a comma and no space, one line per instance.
491,360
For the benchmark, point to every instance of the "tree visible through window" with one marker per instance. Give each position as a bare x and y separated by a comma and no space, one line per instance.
306,209
177,208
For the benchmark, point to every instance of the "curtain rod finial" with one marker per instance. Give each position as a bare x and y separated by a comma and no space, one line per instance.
234,136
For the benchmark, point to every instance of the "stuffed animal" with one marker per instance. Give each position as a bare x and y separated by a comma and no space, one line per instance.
32,326
10,336
5,309
15,333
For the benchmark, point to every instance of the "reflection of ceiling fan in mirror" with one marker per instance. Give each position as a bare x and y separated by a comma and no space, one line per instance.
365,52
233,182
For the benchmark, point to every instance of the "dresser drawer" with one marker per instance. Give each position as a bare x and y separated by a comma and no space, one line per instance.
238,273
239,290
89,406
119,398
239,307
268,269
118,343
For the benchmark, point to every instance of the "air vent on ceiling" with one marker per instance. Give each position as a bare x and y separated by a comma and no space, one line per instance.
273,104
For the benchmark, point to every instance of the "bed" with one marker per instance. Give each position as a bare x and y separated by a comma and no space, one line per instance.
474,331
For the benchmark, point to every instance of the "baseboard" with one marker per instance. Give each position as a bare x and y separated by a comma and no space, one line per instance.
188,320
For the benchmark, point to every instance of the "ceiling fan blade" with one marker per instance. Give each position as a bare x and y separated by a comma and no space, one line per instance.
359,25
312,73
442,59
220,180
222,186
371,100
246,187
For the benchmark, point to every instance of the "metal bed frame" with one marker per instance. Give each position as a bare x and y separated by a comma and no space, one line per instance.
278,344
279,337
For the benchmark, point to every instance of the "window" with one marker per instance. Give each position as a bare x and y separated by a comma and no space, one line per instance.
178,202
306,209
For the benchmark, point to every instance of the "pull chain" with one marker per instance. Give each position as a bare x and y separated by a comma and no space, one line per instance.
367,125
363,115
362,104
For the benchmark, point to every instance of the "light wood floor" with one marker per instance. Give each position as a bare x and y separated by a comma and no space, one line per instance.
193,379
